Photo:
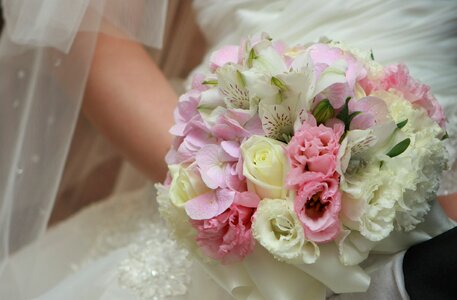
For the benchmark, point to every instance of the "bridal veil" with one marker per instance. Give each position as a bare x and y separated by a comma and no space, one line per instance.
45,55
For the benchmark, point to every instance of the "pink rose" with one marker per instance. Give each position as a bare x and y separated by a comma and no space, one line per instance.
313,152
398,78
226,237
317,205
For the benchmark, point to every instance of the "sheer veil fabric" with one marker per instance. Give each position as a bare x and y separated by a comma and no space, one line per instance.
45,55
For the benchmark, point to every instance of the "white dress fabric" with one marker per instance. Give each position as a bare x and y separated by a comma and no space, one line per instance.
46,51
119,249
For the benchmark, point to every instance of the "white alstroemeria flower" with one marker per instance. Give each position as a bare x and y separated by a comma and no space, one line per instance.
269,61
394,192
277,228
277,120
210,99
260,87
297,90
233,87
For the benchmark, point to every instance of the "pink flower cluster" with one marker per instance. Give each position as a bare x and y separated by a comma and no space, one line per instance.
222,216
398,78
209,133
313,154
226,237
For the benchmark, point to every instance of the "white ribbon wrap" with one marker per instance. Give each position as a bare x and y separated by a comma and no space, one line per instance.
261,277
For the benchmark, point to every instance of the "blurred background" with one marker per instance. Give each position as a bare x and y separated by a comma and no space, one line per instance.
94,169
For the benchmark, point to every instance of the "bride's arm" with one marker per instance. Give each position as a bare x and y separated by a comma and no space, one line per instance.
128,99
449,204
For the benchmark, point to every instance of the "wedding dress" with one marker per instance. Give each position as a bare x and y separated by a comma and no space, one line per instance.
120,249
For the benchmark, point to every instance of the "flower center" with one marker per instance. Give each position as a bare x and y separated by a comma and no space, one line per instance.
314,208
281,227
261,157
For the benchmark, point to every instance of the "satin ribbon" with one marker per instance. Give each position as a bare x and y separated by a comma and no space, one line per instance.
261,277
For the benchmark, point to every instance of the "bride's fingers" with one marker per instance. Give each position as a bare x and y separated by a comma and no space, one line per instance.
449,204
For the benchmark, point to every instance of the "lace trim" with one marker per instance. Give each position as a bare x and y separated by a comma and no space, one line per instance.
156,267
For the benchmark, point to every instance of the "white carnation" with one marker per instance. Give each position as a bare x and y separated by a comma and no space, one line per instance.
395,193
428,158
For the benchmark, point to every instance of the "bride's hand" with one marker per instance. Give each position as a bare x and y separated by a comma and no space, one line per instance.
129,100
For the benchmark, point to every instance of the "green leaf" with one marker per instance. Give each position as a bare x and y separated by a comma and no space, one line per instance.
323,111
210,82
241,78
278,83
445,136
352,116
402,124
251,57
344,113
399,148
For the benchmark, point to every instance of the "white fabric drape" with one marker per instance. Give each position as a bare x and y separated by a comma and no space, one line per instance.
45,55
420,33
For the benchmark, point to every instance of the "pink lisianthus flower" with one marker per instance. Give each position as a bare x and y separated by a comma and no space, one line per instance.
313,152
397,77
317,206
226,237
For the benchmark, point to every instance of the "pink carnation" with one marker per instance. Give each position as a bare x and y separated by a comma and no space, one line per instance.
398,78
317,206
313,152
226,237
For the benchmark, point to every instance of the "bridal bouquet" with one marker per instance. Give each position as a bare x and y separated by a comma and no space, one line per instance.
315,153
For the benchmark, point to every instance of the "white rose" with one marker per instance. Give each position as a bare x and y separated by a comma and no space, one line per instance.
186,184
265,166
276,228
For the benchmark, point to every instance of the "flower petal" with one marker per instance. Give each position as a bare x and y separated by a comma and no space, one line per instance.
209,205
248,199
